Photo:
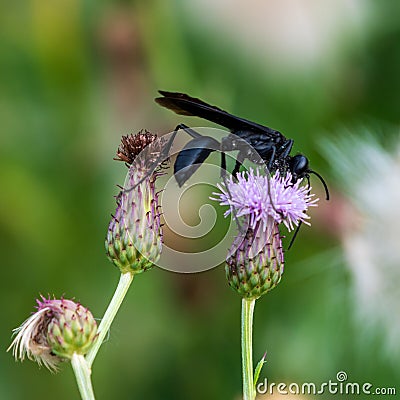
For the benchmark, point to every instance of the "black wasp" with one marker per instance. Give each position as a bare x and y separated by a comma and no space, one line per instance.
246,136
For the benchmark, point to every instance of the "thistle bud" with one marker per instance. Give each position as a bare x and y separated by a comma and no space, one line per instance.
56,331
134,237
255,265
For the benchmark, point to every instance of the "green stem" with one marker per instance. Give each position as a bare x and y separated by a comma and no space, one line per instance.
82,374
123,286
247,349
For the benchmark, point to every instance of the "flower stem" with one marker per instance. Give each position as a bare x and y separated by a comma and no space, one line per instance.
247,349
82,373
120,292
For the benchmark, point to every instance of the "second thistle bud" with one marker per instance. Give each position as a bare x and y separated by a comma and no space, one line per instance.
71,330
134,237
255,266
133,240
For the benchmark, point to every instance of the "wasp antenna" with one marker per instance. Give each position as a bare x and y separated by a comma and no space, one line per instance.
322,181
294,236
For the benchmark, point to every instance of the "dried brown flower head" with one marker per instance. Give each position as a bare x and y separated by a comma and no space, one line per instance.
132,145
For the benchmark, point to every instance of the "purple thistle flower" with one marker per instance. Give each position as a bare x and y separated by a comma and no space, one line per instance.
287,203
56,331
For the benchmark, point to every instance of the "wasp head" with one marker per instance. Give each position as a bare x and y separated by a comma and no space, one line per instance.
298,166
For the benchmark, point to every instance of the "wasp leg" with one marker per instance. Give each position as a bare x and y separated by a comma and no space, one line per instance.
237,167
238,163
294,235
223,165
289,144
188,130
272,159
223,177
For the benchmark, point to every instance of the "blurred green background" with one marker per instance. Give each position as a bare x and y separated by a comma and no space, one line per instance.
76,75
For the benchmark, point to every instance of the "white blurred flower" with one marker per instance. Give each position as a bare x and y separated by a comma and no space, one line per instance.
289,33
370,176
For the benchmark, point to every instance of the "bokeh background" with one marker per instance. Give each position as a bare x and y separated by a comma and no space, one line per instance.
76,75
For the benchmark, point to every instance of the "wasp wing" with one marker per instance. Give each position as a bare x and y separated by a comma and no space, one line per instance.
183,104
191,157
